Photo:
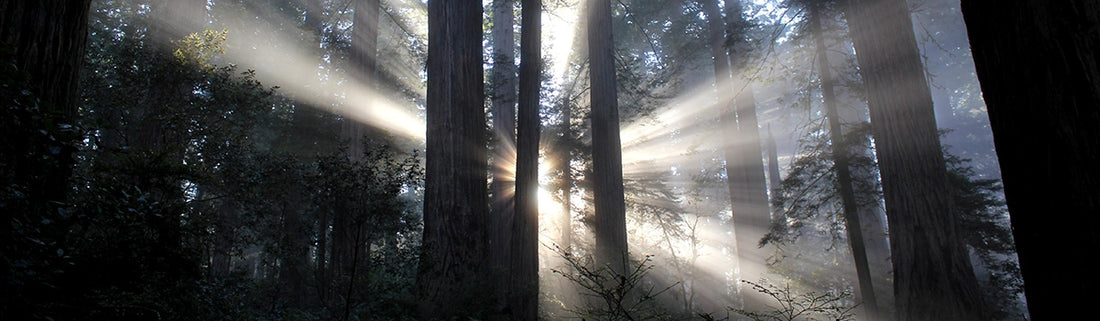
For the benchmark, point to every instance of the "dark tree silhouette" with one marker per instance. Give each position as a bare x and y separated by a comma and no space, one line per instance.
454,257
607,158
525,231
1039,67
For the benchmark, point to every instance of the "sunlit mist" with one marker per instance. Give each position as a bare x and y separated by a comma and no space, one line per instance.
678,146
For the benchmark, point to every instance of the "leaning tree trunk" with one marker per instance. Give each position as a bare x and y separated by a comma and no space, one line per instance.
1039,66
504,152
525,229
454,256
607,158
933,277
843,171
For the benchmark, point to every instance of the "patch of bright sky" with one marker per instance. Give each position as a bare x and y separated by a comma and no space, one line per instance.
558,31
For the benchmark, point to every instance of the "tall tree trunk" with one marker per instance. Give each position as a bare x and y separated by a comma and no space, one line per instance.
607,158
452,274
750,197
364,56
504,152
1039,66
933,276
843,170
525,231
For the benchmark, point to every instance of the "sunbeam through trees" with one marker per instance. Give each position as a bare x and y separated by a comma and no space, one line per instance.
548,159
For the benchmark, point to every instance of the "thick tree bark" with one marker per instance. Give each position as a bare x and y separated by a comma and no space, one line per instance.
843,170
47,40
454,255
934,279
502,204
1039,66
607,158
525,229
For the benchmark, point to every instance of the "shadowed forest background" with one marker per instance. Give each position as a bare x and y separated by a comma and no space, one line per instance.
549,159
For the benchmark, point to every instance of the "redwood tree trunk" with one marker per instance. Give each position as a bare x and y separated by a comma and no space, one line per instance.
1039,66
933,277
607,159
525,229
504,152
454,256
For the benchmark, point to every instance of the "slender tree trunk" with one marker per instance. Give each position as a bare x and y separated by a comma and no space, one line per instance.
453,261
607,164
504,152
933,276
565,161
843,171
525,231
774,178
1039,67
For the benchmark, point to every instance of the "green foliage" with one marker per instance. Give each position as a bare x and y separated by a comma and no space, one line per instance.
200,48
